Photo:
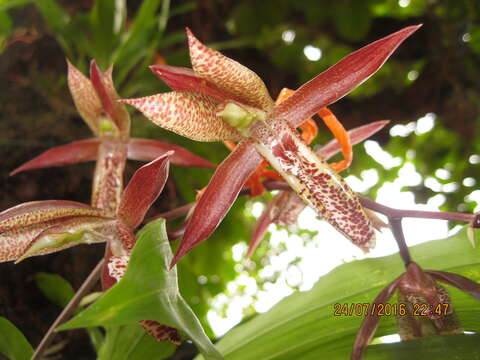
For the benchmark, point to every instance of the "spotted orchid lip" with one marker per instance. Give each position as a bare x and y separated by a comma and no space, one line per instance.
314,181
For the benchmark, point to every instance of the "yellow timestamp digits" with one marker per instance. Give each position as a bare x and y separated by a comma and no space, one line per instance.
373,309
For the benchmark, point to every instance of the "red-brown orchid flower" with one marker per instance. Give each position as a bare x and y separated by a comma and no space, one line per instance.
424,307
222,100
43,227
97,102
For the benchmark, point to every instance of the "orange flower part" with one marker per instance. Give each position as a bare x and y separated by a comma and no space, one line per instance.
310,130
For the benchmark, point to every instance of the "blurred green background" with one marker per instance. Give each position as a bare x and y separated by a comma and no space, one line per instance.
435,72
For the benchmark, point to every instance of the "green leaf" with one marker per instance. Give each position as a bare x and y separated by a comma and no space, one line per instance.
55,288
12,342
433,347
147,291
8,4
107,22
304,326
132,342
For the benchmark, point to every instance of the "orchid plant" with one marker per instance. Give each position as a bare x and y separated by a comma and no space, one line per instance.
221,99
42,227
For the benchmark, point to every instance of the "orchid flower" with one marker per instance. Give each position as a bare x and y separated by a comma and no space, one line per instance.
42,227
96,101
221,99
424,307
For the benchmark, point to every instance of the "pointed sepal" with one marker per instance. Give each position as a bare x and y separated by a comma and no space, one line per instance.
188,114
73,153
148,150
143,189
340,79
219,196
228,75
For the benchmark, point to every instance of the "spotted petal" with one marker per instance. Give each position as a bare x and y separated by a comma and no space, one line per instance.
49,236
37,212
86,99
228,75
186,113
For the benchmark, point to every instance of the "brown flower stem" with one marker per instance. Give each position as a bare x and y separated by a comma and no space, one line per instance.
172,214
397,230
85,288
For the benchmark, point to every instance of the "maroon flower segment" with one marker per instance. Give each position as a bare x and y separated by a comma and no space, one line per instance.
317,184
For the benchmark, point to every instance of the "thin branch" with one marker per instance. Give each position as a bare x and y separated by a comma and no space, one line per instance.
85,288
395,216
397,230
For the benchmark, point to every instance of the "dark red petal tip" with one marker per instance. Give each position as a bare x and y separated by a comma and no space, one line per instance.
340,79
143,189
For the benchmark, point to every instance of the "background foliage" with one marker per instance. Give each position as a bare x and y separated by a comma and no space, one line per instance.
436,71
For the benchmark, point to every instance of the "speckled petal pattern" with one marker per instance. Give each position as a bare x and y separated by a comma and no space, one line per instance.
186,113
85,97
228,75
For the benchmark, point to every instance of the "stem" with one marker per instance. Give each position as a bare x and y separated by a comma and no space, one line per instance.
85,288
397,230
395,216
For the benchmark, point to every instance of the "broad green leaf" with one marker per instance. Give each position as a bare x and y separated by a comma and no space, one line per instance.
12,342
433,347
304,326
55,288
107,22
138,33
148,291
132,342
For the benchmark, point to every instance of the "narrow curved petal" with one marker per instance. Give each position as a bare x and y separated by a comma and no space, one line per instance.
228,75
460,282
85,98
73,153
36,212
186,113
103,85
143,189
261,227
148,150
370,323
219,195
340,79
356,135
